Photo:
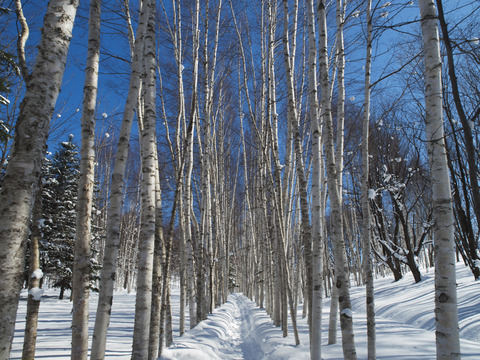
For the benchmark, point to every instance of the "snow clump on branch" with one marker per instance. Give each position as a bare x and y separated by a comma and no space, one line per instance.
347,312
38,274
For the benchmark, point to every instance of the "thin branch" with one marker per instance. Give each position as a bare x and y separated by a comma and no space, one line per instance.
21,41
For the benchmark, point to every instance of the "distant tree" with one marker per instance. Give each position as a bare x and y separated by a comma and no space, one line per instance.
59,200
59,197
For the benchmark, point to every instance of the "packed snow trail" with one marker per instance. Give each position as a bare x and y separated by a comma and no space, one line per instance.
231,332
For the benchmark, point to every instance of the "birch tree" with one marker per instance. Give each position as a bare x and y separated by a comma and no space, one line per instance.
446,310
24,167
464,119
35,275
109,269
341,272
188,202
81,270
148,143
366,242
317,266
155,314
34,271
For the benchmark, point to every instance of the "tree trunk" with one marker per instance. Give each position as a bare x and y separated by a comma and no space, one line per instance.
315,313
86,182
34,281
109,270
332,324
148,144
446,310
157,270
470,149
366,242
25,164
341,271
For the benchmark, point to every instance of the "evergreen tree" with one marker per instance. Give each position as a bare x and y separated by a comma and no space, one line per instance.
59,200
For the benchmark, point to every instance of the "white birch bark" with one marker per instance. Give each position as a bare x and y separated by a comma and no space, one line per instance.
332,321
24,167
366,242
86,182
317,263
340,55
153,341
208,163
109,270
188,204
33,303
276,228
341,271
21,41
305,221
184,183
148,144
186,196
446,310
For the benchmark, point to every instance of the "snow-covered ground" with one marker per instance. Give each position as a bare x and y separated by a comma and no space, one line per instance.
240,330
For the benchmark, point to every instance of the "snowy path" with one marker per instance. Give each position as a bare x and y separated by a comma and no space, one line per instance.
230,333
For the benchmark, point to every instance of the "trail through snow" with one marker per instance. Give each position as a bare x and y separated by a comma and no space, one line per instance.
229,333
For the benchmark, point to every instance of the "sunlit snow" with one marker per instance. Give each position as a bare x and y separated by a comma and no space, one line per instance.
36,293
405,326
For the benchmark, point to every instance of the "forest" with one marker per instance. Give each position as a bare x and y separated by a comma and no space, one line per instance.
288,150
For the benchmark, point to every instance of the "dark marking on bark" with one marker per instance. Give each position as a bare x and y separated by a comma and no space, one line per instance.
443,298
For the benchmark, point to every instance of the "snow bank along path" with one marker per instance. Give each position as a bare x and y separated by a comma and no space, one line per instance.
236,330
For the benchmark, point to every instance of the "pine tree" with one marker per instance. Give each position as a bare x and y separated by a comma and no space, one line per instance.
60,198
60,185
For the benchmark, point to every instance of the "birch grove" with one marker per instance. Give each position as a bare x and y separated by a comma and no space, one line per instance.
277,152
